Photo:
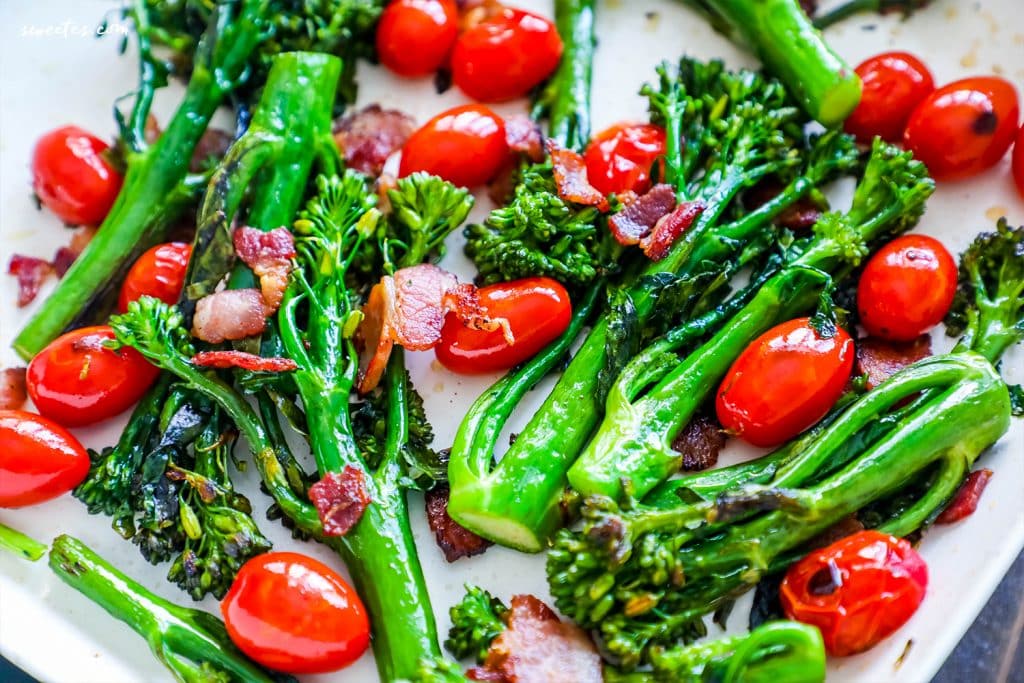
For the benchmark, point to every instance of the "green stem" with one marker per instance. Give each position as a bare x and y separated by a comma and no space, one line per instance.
845,11
18,543
565,100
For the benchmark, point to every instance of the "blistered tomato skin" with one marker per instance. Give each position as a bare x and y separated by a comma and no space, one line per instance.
964,127
906,288
414,37
78,380
465,146
893,84
294,614
39,459
159,272
71,177
784,381
619,159
857,591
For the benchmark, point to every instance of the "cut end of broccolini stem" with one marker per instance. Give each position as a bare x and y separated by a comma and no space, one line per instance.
18,543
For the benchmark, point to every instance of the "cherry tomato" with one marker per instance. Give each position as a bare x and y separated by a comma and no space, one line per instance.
906,288
538,311
159,272
857,591
465,145
415,36
784,382
619,159
893,83
71,177
1018,161
506,55
77,380
965,127
39,459
293,614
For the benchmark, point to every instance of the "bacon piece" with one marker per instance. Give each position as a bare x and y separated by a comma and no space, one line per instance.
966,500
270,255
570,171
880,359
847,526
13,389
31,273
638,219
800,216
454,540
229,315
65,256
667,230
245,361
523,136
210,149
340,499
700,442
539,648
369,136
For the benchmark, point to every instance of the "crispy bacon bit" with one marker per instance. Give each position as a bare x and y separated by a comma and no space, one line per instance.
700,442
65,256
270,255
245,361
229,316
340,499
800,216
369,136
539,648
638,219
13,390
966,500
667,230
880,359
31,273
523,136
570,171
847,526
210,149
454,540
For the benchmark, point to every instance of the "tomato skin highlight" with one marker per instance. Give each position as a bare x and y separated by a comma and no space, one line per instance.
465,145
619,158
1018,161
294,614
784,382
39,459
506,55
159,272
71,177
964,127
538,311
881,582
893,83
414,37
77,380
906,288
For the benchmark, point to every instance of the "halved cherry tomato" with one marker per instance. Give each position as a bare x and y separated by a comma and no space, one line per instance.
1018,161
39,459
77,380
619,158
894,83
906,288
159,272
784,382
415,36
505,55
964,127
537,310
857,591
293,614
71,177
465,145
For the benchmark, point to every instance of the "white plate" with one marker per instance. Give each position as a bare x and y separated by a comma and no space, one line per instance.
52,72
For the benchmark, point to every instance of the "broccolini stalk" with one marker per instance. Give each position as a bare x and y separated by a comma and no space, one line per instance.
192,644
851,7
18,543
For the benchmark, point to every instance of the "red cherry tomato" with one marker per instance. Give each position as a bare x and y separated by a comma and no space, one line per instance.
506,55
415,36
857,591
965,127
465,145
159,272
538,311
906,288
77,380
894,83
39,459
784,382
1018,161
71,177
293,614
619,159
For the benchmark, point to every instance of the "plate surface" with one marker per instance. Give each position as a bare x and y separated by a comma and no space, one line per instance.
53,71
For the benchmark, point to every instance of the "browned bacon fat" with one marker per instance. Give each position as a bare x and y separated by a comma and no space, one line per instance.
340,500
638,219
570,172
523,136
369,136
699,443
668,229
243,361
880,359
270,255
31,273
454,540
229,315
